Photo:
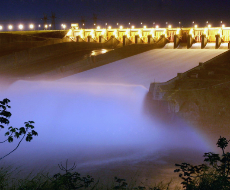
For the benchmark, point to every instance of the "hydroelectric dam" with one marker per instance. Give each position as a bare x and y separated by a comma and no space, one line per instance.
191,37
97,117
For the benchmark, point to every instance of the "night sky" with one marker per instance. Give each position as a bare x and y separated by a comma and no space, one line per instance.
113,11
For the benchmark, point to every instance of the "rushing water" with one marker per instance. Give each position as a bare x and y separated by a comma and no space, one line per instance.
97,118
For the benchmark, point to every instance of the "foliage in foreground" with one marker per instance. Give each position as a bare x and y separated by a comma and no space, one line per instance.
214,175
67,181
20,133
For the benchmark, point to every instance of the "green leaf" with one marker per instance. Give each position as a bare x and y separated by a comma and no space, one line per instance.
7,133
10,139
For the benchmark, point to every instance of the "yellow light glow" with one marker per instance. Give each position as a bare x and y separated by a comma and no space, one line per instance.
69,33
191,32
81,33
63,26
140,33
223,26
117,23
109,27
157,26
145,26
195,26
127,33
165,33
94,24
1,27
98,27
121,27
220,32
92,34
178,31
20,26
50,25
103,32
209,26
133,27
205,32
115,33
46,26
170,26
152,33
10,27
39,25
31,26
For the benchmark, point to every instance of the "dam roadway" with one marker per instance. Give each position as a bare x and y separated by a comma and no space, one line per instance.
97,119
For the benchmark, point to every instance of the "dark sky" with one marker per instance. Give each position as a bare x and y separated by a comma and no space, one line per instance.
121,11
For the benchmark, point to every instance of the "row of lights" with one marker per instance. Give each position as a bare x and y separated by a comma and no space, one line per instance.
169,26
31,26
157,26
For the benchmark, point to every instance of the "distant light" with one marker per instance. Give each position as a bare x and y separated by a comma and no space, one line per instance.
83,24
221,22
98,27
195,26
145,26
157,26
129,23
209,25
169,26
64,26
133,27
117,23
94,24
20,26
46,26
153,22
1,27
141,22
109,27
223,26
31,26
193,22
207,22
106,24
39,25
121,27
50,25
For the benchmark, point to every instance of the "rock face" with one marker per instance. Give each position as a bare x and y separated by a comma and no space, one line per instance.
201,95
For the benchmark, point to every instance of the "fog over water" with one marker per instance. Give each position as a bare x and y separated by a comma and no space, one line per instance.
98,116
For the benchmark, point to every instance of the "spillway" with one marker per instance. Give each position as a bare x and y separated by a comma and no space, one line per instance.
97,118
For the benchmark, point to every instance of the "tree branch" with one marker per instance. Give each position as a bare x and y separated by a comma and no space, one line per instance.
16,146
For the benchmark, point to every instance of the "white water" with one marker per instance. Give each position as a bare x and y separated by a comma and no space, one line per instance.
98,116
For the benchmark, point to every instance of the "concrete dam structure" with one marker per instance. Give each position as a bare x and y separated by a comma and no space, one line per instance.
172,38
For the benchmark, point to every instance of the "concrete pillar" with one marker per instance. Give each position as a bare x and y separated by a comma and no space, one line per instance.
124,40
78,39
150,39
137,38
88,38
100,39
218,41
204,41
190,41
176,41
